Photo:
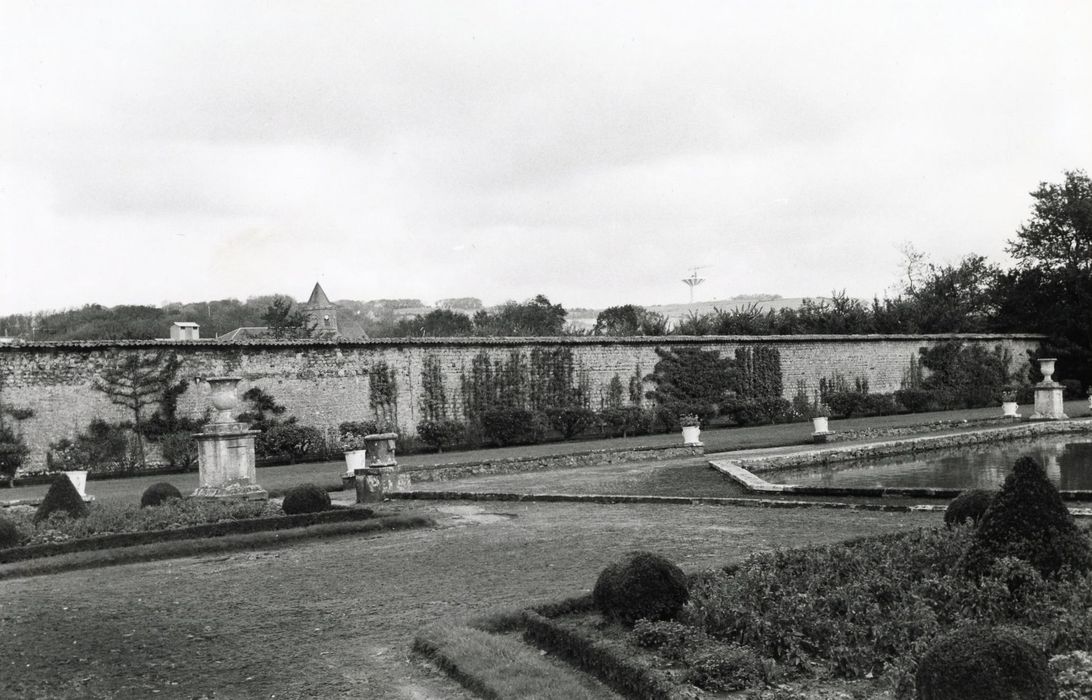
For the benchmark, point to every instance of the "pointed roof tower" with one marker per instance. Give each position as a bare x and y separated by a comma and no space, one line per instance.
321,313
318,297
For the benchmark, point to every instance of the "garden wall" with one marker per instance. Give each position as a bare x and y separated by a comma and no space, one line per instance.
326,382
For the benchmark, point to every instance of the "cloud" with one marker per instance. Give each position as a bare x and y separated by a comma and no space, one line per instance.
589,151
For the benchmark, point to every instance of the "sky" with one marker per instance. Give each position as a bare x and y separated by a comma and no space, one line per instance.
594,152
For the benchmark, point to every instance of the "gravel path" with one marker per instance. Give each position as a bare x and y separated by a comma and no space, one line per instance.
334,618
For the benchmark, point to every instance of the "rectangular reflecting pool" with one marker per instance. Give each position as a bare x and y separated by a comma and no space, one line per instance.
1066,458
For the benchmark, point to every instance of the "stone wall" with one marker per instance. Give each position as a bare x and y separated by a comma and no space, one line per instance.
326,382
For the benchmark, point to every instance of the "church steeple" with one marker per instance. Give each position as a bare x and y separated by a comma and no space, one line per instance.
321,313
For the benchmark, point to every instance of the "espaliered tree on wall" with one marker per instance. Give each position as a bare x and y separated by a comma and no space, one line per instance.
139,382
691,380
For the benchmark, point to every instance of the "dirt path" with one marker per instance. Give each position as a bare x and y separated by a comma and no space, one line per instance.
335,618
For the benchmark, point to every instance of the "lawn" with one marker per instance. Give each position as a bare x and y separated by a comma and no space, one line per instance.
335,618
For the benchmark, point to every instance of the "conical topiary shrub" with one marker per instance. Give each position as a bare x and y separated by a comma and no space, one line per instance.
62,496
980,663
1028,520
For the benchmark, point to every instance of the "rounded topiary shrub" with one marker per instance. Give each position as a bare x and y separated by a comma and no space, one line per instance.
9,534
1028,520
980,663
62,496
640,585
158,494
305,498
968,506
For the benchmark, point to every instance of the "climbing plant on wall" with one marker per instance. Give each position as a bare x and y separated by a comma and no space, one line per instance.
383,394
545,380
433,394
758,372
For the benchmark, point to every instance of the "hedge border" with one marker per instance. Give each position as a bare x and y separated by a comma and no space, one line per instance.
217,529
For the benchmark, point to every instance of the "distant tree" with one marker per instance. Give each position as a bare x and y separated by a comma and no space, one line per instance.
629,319
284,321
534,317
955,298
1059,234
442,323
138,382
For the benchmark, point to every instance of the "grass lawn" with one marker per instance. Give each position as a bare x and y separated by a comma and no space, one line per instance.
335,618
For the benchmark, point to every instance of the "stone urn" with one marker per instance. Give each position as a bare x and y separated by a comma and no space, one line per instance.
1009,409
691,435
224,397
1046,367
820,424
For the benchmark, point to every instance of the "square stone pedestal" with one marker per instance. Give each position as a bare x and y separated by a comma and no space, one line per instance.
225,455
373,483
1048,402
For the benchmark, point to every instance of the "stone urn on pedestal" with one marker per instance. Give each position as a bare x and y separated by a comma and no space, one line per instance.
225,451
1048,394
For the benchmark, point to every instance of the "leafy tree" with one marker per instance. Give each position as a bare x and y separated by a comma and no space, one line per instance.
955,298
13,451
439,323
629,319
138,382
264,411
534,317
1059,234
284,321
1050,291
692,380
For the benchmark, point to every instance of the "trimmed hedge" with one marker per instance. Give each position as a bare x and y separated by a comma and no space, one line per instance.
642,585
219,529
970,506
305,498
600,659
159,493
977,663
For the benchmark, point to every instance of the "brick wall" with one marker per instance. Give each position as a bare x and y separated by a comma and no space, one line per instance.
326,382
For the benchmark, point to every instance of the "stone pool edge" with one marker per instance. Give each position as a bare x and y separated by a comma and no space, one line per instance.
743,470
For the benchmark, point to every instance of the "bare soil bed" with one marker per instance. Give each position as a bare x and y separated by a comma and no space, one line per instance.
335,618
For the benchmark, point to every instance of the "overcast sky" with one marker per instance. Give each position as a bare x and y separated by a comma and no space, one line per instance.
183,150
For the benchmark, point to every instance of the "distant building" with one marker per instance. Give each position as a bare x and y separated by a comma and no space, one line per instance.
185,330
321,315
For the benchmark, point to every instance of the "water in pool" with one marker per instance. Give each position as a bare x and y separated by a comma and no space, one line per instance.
1067,459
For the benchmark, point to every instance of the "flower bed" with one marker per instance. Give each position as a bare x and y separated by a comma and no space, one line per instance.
117,525
860,613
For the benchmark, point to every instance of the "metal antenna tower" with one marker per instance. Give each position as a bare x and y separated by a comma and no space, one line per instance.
693,280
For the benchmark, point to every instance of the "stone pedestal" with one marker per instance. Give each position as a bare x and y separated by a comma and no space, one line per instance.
225,451
1048,394
373,483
